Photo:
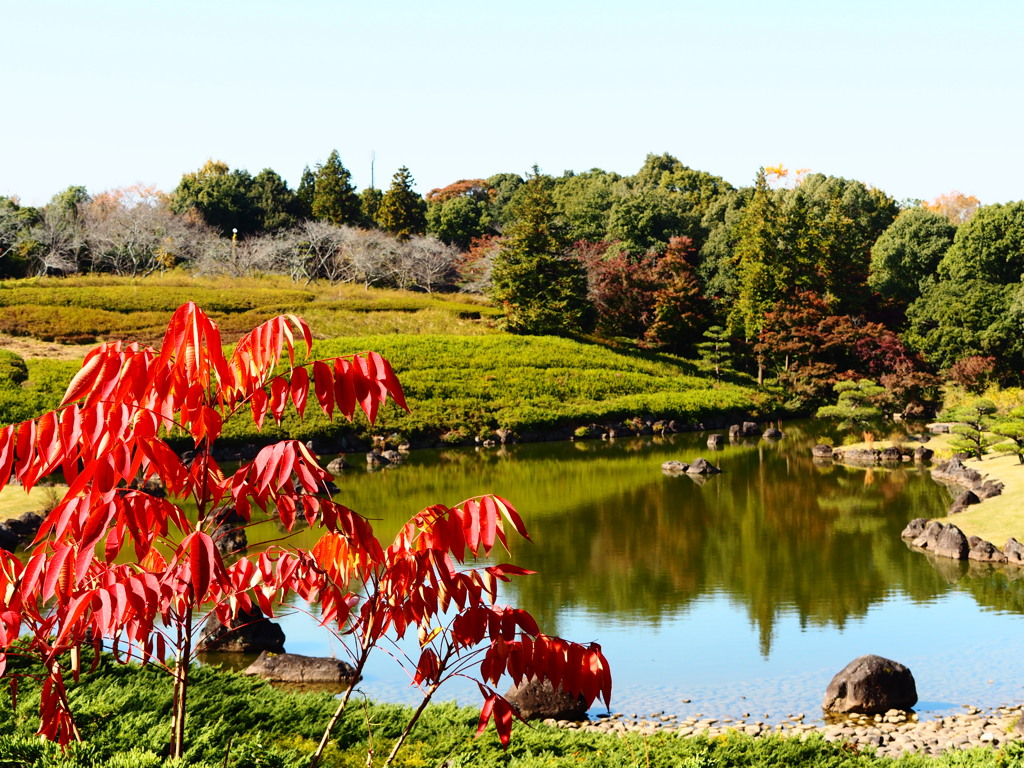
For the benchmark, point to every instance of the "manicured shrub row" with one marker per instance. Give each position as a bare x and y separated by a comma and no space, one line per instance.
145,297
478,383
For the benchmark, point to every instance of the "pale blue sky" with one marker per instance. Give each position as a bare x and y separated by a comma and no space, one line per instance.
917,98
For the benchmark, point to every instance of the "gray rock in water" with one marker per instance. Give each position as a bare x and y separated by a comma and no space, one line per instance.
395,457
951,542
985,552
871,685
930,536
1013,550
750,429
860,455
716,442
674,467
292,668
337,466
249,632
921,453
822,451
376,459
539,700
891,454
915,528
702,467
773,434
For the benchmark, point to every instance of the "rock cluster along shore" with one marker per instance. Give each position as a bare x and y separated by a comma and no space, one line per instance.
893,733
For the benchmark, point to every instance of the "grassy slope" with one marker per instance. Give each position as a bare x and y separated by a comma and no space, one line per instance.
460,373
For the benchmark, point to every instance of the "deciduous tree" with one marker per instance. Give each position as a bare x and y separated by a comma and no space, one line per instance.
220,197
110,562
908,253
957,207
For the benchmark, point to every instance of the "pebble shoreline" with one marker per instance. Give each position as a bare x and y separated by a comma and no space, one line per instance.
893,734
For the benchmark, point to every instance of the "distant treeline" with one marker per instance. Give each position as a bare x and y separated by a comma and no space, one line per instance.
806,278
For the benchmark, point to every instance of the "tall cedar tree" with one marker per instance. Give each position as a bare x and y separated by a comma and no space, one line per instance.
541,289
304,194
334,198
402,212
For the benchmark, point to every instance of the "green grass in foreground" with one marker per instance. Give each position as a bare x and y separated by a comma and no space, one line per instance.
244,723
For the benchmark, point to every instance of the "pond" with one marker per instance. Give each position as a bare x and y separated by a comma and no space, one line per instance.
741,593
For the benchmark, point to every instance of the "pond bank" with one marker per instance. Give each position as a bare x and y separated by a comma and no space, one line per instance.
893,734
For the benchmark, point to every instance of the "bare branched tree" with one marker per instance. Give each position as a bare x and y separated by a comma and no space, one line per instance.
426,263
132,231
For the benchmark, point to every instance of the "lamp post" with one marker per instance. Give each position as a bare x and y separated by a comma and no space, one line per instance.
234,241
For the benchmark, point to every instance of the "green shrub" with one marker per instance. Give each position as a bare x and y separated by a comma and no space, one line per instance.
13,371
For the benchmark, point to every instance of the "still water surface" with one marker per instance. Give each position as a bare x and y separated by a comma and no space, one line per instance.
743,593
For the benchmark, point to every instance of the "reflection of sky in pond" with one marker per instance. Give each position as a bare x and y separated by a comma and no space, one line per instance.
705,654
745,594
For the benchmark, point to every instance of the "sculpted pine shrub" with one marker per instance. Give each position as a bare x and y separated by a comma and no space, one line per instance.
113,564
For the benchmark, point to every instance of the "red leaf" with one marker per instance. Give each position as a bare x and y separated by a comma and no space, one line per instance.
204,561
85,377
323,387
299,387
278,397
259,403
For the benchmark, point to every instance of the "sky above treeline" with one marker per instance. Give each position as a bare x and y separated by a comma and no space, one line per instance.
916,98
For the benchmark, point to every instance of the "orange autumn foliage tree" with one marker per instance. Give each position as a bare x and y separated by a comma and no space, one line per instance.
115,565
955,206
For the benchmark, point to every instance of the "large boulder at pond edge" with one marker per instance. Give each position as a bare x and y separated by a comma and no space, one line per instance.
871,685
963,500
942,540
249,632
984,551
822,451
951,542
292,668
674,467
954,471
1014,552
915,528
538,700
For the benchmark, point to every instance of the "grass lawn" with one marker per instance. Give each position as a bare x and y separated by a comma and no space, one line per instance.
14,501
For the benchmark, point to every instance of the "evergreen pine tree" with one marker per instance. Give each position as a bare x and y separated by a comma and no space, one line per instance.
304,194
541,289
369,204
855,404
974,419
715,349
334,198
402,212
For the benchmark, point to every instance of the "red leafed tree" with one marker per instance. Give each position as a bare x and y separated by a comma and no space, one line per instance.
135,570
